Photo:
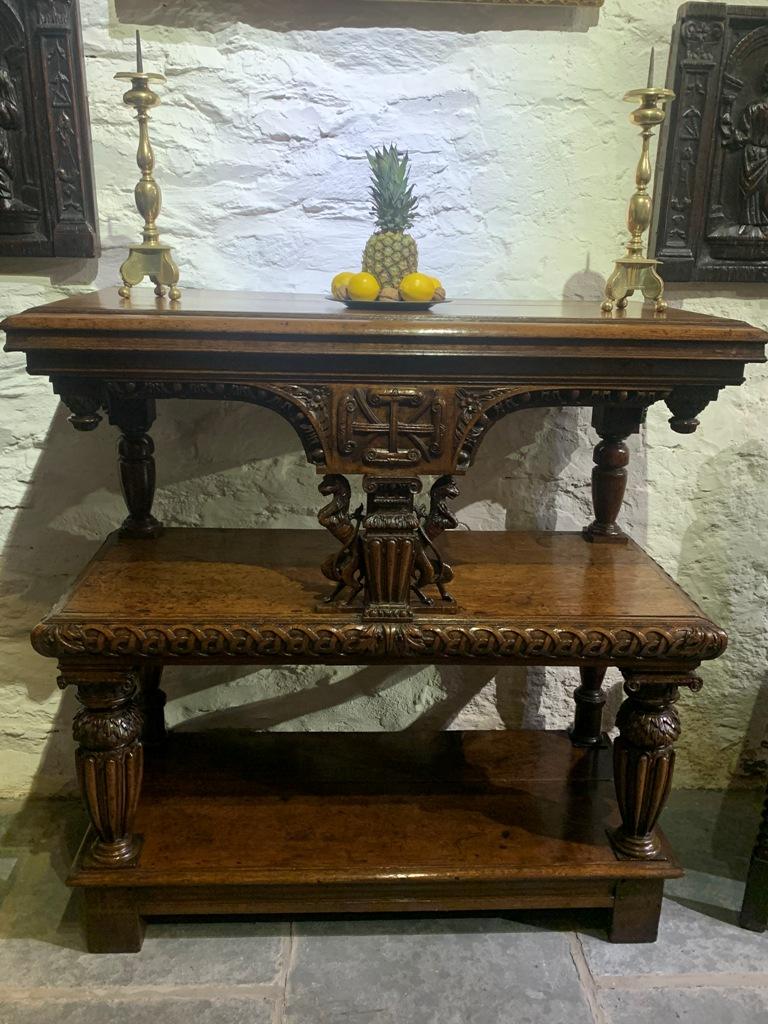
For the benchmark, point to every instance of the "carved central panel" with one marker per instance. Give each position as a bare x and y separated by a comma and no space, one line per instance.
391,426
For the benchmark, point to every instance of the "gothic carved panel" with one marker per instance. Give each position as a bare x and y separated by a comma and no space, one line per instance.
712,178
47,203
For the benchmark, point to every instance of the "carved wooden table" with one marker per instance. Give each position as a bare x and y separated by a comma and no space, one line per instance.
231,823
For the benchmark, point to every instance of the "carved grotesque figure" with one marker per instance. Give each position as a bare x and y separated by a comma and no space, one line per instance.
10,120
751,136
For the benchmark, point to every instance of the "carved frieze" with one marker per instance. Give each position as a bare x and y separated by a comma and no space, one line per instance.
306,407
480,408
412,641
47,200
712,177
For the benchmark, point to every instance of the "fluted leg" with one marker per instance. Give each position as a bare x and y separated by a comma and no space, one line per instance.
587,728
754,909
609,476
109,758
644,758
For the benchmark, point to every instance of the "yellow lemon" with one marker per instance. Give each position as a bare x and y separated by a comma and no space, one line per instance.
340,283
436,281
363,287
417,288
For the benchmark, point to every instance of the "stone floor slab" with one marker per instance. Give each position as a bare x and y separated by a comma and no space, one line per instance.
712,834
163,1011
686,1006
186,953
459,970
694,938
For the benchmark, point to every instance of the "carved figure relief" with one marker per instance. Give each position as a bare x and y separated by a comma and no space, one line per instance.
47,204
712,212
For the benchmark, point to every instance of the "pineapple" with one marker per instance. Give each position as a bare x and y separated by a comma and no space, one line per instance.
390,254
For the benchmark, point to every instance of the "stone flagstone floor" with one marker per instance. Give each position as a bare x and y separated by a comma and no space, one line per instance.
527,968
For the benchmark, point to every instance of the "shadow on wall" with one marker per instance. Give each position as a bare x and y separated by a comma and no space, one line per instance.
74,499
724,564
309,15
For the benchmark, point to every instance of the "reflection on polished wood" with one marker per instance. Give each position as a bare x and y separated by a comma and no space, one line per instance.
222,595
287,823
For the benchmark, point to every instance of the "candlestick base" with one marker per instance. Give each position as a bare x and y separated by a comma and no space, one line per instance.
630,274
154,262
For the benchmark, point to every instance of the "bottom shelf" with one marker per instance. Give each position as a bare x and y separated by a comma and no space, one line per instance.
293,823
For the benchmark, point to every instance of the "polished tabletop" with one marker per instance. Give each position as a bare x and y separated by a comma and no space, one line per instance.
268,313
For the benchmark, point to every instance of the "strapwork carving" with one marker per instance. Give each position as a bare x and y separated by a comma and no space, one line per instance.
344,568
391,426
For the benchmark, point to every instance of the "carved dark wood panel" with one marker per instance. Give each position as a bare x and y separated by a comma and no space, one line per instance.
712,179
47,202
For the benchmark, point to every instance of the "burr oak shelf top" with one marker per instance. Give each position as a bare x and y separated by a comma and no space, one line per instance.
256,595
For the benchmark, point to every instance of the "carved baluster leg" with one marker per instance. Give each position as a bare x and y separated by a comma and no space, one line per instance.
109,758
754,909
614,424
151,701
587,728
644,757
134,417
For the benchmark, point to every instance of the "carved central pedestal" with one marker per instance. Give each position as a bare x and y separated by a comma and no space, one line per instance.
387,554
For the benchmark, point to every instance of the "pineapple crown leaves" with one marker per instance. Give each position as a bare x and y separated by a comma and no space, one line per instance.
394,203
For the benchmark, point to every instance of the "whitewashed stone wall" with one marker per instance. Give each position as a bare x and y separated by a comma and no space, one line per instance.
523,155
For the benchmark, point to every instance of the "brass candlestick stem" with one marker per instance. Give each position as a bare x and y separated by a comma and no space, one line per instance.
634,271
150,259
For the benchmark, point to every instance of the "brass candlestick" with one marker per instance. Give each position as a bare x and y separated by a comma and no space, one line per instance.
634,271
150,259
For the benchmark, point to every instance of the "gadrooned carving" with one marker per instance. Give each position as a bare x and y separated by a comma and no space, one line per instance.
413,641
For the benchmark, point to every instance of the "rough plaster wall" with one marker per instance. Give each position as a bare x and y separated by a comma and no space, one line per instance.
523,155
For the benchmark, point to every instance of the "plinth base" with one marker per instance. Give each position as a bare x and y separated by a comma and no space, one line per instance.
281,823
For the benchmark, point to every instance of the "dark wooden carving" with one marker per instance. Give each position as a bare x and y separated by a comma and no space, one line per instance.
293,639
109,758
134,417
389,552
644,758
712,178
47,200
391,427
613,423
345,567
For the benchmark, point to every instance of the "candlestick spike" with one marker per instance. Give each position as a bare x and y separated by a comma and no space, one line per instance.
650,66
150,259
634,271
